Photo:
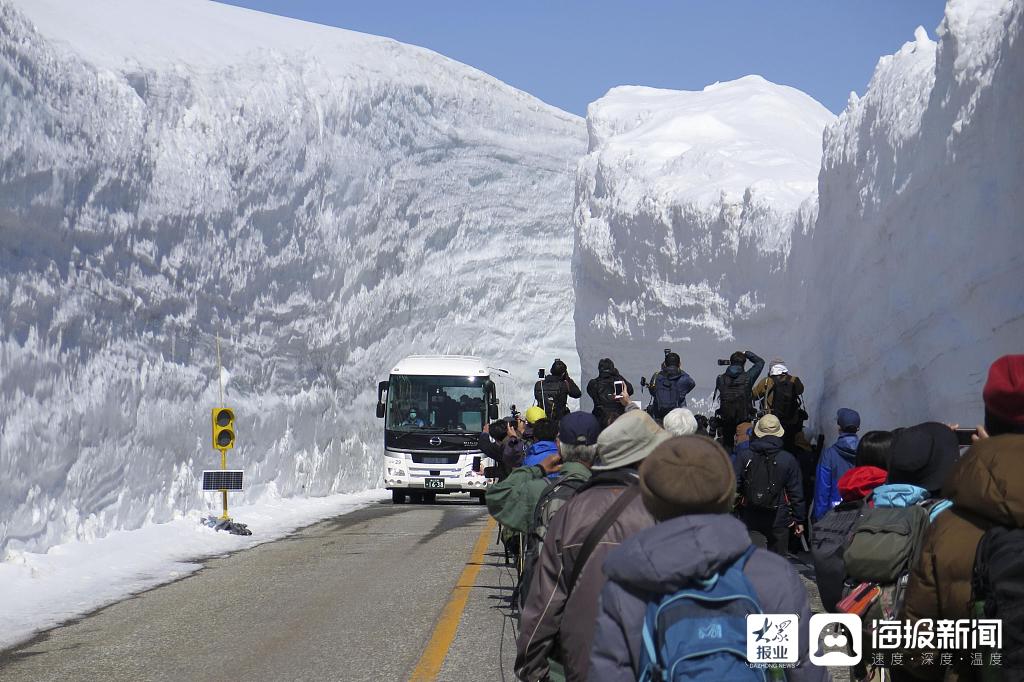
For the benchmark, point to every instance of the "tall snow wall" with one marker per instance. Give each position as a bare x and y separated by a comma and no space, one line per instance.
324,201
889,289
684,209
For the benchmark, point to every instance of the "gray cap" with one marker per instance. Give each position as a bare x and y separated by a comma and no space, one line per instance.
628,440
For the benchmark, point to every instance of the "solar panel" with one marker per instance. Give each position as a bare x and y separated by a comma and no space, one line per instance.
222,479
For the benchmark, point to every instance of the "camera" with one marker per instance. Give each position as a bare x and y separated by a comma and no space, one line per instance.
724,363
667,351
540,373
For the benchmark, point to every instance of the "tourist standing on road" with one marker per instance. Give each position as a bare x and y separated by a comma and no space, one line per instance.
605,391
688,485
559,615
553,391
734,390
837,459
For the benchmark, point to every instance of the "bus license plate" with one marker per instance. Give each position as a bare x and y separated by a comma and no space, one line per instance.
433,483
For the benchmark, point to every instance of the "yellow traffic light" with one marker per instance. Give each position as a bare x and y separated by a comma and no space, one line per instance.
223,419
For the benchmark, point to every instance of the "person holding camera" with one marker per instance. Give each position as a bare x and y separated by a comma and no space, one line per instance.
553,391
669,386
734,391
607,391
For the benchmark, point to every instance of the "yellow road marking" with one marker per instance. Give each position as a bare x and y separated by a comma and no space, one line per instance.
441,640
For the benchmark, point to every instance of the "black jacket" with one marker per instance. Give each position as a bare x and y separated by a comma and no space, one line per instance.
553,385
792,507
613,375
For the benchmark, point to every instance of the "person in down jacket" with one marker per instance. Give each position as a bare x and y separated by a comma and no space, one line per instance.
687,484
835,461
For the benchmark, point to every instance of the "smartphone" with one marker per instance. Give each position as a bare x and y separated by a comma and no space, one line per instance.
963,436
476,464
620,389
540,373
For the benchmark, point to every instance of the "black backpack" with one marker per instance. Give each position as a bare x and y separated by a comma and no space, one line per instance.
998,592
760,487
785,402
558,492
829,537
734,399
555,395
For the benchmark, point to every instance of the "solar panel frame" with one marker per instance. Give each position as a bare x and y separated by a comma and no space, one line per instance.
222,479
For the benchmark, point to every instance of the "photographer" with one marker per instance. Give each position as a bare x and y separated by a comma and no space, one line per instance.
606,390
553,391
669,386
733,388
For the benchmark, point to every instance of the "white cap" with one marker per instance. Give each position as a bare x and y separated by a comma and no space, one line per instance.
777,370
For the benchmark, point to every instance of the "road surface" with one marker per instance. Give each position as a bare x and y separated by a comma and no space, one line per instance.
358,597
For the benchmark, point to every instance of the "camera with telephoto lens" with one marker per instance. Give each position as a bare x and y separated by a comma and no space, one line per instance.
724,363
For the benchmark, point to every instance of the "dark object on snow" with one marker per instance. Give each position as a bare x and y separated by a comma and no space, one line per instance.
230,526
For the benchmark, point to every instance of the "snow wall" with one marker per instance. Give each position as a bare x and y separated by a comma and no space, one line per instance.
325,201
890,288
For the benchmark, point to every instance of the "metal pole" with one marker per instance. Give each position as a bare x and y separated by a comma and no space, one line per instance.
224,492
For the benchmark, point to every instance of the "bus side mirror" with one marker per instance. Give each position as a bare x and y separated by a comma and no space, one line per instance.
382,388
492,411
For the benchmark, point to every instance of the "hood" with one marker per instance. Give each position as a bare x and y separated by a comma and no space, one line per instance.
672,373
605,365
989,480
766,445
539,451
663,558
899,495
734,371
858,482
923,455
574,470
846,446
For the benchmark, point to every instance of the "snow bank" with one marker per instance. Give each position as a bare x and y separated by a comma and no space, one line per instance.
323,200
914,267
685,206
891,291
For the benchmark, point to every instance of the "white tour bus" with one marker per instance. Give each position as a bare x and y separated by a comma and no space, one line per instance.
434,408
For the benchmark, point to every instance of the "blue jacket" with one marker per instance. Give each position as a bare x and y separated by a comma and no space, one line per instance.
663,559
835,461
540,451
686,384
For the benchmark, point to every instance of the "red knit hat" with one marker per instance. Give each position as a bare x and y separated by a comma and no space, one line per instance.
1004,390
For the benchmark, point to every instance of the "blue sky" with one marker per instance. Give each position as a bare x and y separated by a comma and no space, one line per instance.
570,52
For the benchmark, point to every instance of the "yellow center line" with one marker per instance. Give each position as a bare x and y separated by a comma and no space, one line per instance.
441,640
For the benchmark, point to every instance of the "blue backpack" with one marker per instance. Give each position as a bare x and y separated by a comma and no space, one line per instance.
700,632
668,396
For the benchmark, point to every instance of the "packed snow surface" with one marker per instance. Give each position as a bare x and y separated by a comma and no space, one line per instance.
324,201
890,289
685,206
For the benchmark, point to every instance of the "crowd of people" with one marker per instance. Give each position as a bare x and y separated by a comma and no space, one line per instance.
630,526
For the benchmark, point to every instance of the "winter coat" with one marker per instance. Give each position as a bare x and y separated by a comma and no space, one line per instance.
763,389
555,623
787,471
662,560
835,461
859,482
987,489
674,374
736,370
605,374
512,501
552,385
539,451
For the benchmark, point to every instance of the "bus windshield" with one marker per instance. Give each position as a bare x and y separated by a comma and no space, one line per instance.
436,403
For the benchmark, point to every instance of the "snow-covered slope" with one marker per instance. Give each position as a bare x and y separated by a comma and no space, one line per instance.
685,206
892,297
325,201
915,268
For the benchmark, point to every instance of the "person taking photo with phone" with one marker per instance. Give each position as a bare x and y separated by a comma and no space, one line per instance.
606,390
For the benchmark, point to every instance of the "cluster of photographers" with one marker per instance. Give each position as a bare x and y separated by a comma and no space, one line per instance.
626,524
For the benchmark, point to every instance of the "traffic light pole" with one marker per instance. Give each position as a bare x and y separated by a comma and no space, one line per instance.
224,492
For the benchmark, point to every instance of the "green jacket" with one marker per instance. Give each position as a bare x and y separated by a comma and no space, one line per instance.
512,501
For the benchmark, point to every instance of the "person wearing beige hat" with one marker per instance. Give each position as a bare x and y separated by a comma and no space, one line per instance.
559,614
771,487
688,485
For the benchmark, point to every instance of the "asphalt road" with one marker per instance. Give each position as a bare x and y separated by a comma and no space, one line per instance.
356,597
